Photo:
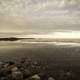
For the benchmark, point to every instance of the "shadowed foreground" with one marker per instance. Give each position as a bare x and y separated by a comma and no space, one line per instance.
22,61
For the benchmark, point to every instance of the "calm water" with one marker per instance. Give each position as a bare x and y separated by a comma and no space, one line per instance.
59,53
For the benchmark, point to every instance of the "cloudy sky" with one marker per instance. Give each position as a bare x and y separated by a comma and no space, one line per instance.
39,16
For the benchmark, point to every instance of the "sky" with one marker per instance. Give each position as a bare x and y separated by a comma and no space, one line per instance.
39,16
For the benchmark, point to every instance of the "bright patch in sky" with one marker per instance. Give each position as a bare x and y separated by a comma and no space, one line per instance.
66,35
55,35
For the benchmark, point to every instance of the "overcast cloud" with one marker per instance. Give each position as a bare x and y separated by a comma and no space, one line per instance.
39,16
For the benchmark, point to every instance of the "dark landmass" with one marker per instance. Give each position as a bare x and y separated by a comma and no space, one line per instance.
9,39
13,39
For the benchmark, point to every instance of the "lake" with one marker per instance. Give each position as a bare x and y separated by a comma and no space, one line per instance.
56,53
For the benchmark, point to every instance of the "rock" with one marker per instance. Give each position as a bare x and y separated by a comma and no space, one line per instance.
51,78
35,77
